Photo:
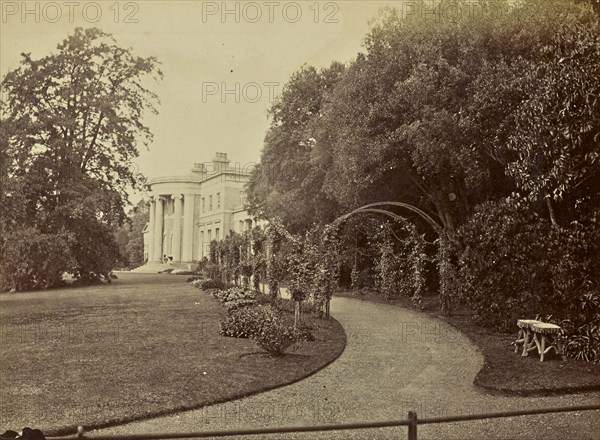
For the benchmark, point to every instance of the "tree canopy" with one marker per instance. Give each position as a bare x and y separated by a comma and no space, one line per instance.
438,113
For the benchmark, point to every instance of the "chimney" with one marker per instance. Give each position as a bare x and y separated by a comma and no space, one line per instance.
199,168
220,162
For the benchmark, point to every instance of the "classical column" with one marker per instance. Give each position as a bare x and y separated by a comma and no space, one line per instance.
150,233
177,227
158,231
188,228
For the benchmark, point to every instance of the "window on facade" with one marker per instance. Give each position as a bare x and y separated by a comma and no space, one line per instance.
217,234
203,205
209,235
218,200
210,203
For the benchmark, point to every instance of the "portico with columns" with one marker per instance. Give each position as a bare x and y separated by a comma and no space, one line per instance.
188,212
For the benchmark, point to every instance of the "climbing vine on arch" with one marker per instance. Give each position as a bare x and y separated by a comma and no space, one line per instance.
400,267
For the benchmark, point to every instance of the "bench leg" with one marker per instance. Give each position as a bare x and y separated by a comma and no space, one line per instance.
537,343
555,343
543,349
529,344
520,340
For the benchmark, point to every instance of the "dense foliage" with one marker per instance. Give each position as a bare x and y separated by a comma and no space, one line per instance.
71,126
34,260
400,265
490,124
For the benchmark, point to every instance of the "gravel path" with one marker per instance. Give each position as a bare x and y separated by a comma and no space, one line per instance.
395,360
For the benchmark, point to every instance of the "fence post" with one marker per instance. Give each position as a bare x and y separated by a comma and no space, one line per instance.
412,425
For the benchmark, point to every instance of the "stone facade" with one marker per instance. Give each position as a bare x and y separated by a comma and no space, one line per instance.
188,212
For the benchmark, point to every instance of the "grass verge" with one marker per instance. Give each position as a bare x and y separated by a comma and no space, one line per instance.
144,346
503,370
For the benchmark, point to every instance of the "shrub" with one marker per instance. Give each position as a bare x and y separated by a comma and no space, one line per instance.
574,264
265,325
305,333
235,294
30,259
238,303
275,337
501,273
210,284
584,343
245,322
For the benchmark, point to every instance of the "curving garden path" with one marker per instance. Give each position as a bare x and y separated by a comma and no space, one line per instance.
395,360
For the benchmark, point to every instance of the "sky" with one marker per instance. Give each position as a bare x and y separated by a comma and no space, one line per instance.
223,62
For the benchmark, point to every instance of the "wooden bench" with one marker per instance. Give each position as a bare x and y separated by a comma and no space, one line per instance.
534,334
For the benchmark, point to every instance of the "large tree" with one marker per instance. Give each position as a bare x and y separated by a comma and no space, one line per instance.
287,183
72,125
556,141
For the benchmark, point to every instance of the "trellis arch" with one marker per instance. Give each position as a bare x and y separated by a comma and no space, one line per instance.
373,207
444,266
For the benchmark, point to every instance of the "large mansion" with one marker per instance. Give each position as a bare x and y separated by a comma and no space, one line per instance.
188,212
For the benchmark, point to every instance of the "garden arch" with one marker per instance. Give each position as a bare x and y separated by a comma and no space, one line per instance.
445,268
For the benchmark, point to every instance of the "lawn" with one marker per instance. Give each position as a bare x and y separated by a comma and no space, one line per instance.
503,370
142,346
